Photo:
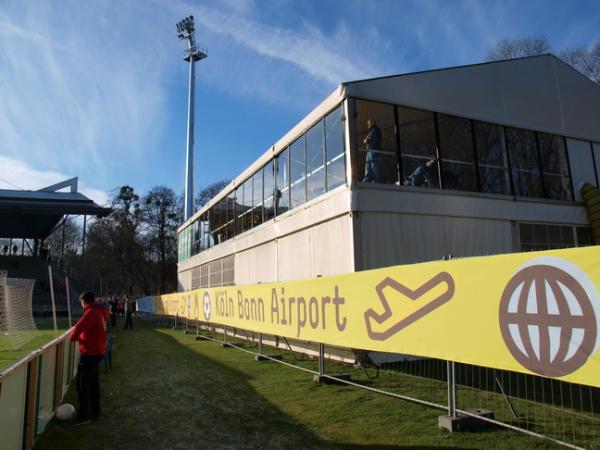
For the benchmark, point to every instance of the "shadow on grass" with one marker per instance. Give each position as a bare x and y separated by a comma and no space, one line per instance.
168,391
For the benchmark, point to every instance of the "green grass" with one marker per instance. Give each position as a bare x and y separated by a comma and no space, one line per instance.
45,334
169,391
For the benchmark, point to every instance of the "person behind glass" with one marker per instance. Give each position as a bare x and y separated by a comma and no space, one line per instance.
421,176
90,333
373,145
113,312
129,306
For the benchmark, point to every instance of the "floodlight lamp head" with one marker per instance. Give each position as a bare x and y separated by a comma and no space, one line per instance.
185,28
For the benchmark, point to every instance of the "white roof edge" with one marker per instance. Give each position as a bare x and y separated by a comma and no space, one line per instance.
331,101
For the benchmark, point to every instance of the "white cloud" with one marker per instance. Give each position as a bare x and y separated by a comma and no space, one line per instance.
316,53
76,90
15,174
298,65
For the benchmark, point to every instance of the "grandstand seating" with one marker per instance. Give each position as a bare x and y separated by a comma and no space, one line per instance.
37,269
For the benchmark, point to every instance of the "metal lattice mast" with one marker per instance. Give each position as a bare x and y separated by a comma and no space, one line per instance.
193,53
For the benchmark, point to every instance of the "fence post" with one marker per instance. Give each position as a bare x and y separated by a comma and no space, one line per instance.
225,344
52,297
260,344
321,359
68,300
451,388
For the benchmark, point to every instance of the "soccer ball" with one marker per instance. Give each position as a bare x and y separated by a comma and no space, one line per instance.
65,411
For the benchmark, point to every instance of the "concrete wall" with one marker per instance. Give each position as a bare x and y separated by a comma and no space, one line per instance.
399,225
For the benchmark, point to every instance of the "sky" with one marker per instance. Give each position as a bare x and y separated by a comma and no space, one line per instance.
98,89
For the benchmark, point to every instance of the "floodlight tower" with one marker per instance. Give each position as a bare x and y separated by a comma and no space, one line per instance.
193,53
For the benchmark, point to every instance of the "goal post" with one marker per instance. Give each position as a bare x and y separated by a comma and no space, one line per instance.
17,326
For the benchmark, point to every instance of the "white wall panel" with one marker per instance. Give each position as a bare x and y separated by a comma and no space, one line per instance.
390,239
293,256
258,264
471,237
331,247
184,280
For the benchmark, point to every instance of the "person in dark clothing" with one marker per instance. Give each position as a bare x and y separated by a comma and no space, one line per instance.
421,176
113,312
373,146
90,333
129,309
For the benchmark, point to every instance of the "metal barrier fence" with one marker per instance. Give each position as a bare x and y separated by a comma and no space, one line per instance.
32,388
471,396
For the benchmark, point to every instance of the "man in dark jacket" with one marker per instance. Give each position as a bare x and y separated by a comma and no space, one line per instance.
90,332
373,146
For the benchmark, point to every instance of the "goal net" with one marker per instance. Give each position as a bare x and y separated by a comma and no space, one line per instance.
17,326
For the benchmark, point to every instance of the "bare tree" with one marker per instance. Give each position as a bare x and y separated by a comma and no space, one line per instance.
160,215
209,192
65,241
585,61
582,59
519,48
115,257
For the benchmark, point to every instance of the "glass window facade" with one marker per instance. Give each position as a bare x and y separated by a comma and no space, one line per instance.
312,165
555,169
418,145
458,157
525,163
492,158
282,180
334,149
442,151
269,186
378,165
416,148
315,161
297,173
257,198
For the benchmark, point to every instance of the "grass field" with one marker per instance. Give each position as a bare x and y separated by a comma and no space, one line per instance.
169,391
46,334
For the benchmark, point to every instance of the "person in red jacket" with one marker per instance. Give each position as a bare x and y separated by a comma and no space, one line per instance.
90,332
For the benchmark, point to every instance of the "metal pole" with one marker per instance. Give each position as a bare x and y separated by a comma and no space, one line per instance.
62,243
83,245
68,300
451,388
52,297
189,160
321,359
260,343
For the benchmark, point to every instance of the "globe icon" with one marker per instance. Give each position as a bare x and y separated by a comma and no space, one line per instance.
206,306
547,320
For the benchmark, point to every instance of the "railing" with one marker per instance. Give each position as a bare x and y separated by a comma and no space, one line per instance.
472,397
482,332
31,390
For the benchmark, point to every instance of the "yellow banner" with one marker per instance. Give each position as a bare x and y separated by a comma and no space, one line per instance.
535,313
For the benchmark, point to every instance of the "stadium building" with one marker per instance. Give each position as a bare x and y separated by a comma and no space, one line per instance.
27,219
474,160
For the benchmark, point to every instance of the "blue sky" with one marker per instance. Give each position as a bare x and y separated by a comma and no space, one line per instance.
98,89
